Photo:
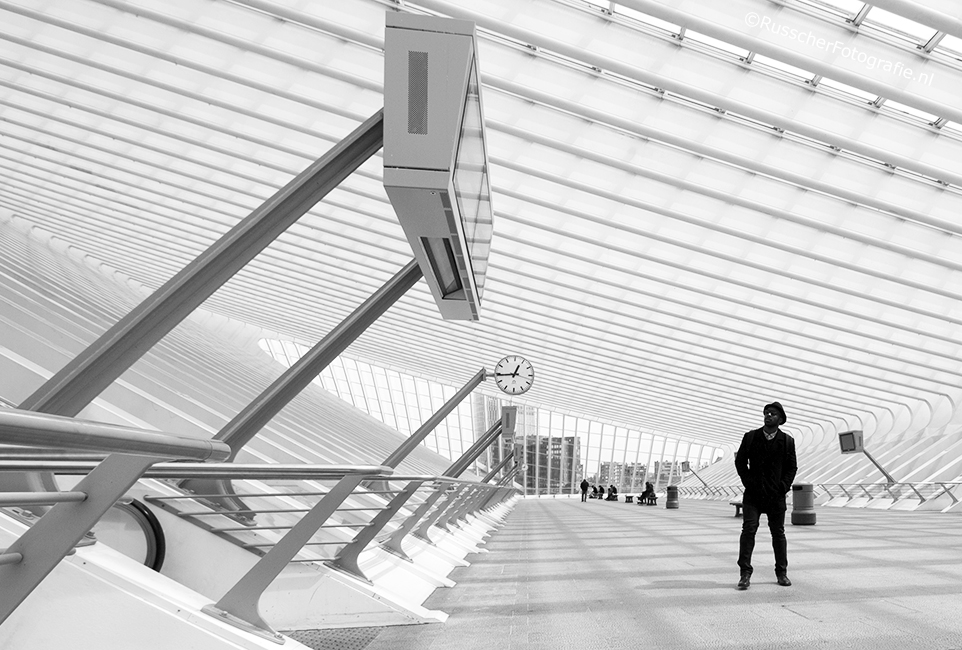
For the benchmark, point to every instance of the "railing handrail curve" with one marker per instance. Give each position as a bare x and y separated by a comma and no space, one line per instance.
18,427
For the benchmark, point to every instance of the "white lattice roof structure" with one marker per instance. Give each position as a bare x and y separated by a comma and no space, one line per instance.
700,206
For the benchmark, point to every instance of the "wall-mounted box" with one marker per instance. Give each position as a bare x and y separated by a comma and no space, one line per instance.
435,156
850,442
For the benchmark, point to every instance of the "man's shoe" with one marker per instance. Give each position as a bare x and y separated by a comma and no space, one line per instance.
783,580
745,581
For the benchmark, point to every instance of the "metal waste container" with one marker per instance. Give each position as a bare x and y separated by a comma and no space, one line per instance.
672,501
803,504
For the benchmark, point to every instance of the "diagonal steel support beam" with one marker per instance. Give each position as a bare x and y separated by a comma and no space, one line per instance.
245,425
249,421
432,422
497,468
87,375
475,450
509,476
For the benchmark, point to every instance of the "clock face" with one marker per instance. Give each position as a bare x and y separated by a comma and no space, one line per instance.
514,375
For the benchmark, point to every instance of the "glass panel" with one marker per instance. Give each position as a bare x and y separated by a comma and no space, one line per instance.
896,25
727,48
471,185
634,14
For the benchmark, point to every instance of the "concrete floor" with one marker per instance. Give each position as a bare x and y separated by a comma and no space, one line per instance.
604,576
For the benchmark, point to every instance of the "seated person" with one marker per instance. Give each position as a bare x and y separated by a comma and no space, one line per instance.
612,493
594,492
648,495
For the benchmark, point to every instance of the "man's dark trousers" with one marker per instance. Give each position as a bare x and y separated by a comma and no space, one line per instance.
746,543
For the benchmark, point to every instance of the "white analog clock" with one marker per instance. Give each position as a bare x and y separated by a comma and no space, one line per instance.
514,375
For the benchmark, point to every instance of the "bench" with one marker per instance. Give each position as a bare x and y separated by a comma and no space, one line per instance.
650,500
738,507
629,498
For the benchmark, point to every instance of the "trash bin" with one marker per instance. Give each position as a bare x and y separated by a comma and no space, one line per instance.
803,504
672,501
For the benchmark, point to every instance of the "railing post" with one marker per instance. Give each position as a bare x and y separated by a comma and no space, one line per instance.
393,543
918,494
457,467
480,501
458,508
55,534
347,557
421,532
494,493
240,605
473,504
947,490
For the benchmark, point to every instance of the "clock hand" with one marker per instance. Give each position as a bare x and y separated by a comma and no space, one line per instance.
504,374
515,373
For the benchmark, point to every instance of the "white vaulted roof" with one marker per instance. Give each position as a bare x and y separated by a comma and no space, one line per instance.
700,206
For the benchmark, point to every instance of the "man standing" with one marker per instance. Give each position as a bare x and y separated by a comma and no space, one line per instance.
767,465
584,489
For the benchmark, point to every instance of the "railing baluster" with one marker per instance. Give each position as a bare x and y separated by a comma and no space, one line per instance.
240,605
393,543
55,534
347,557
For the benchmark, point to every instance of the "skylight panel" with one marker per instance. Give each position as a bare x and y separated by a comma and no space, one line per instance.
786,68
901,28
838,86
928,118
600,6
738,52
661,25
951,128
845,9
950,46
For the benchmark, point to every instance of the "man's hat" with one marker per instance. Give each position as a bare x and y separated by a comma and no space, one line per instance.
777,407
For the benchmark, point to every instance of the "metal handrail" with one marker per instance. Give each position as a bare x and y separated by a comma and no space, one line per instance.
40,429
39,498
41,453
921,490
239,605
265,471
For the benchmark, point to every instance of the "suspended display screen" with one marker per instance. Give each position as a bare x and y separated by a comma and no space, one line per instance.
471,184
435,155
850,442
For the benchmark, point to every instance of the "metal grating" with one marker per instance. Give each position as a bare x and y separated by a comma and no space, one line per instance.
418,93
352,638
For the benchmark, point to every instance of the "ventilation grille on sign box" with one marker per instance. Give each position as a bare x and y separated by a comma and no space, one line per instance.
418,93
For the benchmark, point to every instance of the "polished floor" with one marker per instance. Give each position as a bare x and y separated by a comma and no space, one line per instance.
604,576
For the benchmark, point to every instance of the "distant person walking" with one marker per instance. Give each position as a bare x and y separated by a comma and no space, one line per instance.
584,489
766,464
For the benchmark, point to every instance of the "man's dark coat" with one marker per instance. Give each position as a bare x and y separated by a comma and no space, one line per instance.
767,469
